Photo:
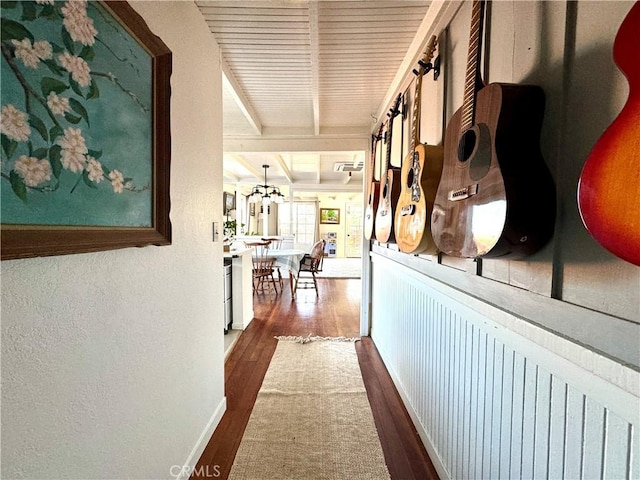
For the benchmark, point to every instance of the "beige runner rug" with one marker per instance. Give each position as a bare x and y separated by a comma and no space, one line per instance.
312,418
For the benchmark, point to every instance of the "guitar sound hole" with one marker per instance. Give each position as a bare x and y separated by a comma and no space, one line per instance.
410,176
466,145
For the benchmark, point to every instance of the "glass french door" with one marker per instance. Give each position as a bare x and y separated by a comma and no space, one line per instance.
354,229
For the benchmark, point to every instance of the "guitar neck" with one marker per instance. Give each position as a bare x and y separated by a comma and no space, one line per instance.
417,96
392,114
473,80
375,138
387,163
415,118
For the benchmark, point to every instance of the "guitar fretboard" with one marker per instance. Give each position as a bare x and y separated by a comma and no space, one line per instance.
472,79
415,118
417,100
395,110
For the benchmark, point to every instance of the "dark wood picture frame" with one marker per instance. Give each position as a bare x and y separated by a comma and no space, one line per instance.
330,216
23,241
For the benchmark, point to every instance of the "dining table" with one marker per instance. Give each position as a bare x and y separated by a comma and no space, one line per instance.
287,258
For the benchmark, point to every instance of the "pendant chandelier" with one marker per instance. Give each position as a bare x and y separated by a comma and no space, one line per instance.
265,194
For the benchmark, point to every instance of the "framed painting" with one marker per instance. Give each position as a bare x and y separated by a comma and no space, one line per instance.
330,215
229,202
85,129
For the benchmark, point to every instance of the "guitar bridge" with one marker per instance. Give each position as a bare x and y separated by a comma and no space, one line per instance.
408,210
462,193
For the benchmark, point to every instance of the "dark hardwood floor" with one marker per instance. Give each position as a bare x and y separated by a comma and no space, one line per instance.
335,313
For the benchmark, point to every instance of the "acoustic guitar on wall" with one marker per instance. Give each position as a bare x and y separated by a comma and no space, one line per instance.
420,175
496,197
389,186
609,186
373,192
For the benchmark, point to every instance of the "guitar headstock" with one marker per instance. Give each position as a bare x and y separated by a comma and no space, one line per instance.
378,136
395,110
425,61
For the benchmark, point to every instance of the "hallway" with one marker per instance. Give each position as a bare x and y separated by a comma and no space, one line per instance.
334,313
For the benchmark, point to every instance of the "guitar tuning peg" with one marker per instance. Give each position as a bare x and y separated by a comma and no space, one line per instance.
422,64
415,72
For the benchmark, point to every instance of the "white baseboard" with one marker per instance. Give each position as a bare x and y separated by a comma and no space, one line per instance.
205,436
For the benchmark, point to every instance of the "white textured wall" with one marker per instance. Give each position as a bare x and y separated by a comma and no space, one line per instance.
112,363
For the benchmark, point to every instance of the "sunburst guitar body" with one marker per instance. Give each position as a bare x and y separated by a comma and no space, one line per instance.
609,186
419,177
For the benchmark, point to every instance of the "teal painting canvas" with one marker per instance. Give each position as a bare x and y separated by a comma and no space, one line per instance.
76,124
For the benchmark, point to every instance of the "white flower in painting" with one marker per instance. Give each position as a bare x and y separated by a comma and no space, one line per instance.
78,68
117,181
45,2
77,23
33,171
26,53
14,124
43,49
58,105
74,150
94,170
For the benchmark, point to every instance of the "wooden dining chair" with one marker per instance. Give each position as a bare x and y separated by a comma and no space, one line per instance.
263,267
310,264
275,243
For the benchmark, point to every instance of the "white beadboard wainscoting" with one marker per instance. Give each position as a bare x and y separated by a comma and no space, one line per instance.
492,403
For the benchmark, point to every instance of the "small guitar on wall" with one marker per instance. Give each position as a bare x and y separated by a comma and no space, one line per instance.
609,187
373,193
389,187
420,175
496,197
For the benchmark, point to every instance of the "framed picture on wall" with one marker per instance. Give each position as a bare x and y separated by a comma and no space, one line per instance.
229,200
330,215
85,129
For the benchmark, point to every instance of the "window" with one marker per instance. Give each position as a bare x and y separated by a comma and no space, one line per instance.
302,223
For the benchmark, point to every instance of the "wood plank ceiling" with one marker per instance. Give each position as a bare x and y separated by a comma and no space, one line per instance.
306,69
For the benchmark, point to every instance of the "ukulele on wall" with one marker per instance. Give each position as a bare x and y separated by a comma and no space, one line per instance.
420,174
373,194
496,197
609,186
389,187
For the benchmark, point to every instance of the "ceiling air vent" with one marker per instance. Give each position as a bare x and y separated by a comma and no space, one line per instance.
347,167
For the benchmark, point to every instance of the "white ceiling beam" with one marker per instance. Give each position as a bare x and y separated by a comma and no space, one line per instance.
439,15
288,144
248,167
230,176
257,3
328,187
315,62
318,178
284,168
235,90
